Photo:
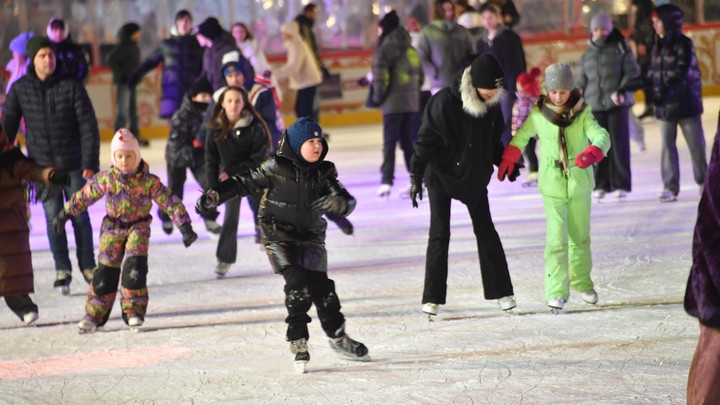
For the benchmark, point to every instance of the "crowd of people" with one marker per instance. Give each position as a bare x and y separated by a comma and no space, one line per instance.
458,98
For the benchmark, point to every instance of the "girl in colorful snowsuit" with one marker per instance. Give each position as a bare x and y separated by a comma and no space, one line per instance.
564,126
129,191
528,92
299,187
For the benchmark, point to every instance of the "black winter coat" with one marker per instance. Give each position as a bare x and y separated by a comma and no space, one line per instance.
184,126
73,63
507,47
125,57
674,70
245,148
62,130
293,232
459,140
212,61
181,56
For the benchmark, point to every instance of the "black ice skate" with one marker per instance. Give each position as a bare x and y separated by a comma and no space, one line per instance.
62,281
302,356
347,348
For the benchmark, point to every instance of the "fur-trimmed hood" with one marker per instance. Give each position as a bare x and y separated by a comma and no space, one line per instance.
471,101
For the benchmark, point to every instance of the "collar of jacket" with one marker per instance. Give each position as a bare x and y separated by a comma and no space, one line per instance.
471,101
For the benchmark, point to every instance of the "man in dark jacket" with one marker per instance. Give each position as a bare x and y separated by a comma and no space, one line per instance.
306,23
62,132
675,77
123,60
643,36
218,43
458,143
181,57
73,61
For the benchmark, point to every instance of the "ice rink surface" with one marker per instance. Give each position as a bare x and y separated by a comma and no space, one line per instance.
208,340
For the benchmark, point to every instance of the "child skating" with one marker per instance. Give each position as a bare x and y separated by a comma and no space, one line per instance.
564,126
129,191
528,92
299,187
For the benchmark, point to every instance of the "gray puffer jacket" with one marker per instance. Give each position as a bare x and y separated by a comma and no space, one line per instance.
397,74
445,48
606,66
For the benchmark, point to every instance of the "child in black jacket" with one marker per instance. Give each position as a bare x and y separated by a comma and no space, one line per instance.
299,187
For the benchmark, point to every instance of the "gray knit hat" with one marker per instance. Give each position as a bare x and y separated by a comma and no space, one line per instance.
601,20
558,76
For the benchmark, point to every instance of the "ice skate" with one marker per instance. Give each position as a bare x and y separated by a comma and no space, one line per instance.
430,309
507,303
384,191
668,196
30,317
86,326
135,322
556,305
221,269
302,356
531,181
62,281
598,195
589,296
213,229
347,348
167,227
88,274
621,195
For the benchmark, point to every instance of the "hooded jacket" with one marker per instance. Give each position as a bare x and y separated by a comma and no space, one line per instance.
459,140
674,71
507,47
445,48
300,68
184,126
212,60
397,74
181,57
605,67
73,61
125,57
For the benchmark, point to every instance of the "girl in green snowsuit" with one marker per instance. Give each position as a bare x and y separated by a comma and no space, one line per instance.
564,126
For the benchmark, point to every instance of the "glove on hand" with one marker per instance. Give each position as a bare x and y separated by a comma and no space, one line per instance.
207,201
416,192
510,156
334,204
133,81
325,73
59,179
58,223
197,144
617,98
591,154
189,236
363,82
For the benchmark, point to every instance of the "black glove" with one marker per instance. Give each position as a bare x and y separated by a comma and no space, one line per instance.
516,172
59,179
335,204
415,189
207,202
133,81
58,223
325,73
189,236
363,82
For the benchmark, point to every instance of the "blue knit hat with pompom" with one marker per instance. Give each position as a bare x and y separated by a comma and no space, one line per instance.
303,129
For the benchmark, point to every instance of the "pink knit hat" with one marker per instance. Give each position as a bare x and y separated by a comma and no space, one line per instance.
125,140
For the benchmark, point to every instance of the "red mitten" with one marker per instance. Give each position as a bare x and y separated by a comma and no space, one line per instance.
591,154
197,144
507,165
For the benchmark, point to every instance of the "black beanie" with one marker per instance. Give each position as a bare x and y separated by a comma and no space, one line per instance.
210,28
200,86
389,22
486,72
35,44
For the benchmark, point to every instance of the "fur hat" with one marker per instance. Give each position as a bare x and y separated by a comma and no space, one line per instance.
302,130
601,21
210,28
125,140
486,72
35,44
19,43
529,83
559,76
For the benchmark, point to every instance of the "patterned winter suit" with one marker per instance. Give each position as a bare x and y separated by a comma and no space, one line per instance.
125,231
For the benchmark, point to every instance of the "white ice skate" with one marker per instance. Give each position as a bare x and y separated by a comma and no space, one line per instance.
599,195
589,296
384,191
556,305
621,195
302,356
531,181
221,269
430,309
30,317
507,303
86,326
62,281
135,322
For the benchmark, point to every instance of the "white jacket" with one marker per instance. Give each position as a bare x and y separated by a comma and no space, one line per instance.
301,67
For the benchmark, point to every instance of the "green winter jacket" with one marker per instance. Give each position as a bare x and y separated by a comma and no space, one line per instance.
551,180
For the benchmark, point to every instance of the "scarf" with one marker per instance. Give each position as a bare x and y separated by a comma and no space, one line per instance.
562,116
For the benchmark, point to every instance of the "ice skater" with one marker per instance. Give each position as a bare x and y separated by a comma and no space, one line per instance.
299,186
16,271
129,190
528,92
563,125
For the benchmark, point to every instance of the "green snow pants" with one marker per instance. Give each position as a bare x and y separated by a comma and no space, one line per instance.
567,246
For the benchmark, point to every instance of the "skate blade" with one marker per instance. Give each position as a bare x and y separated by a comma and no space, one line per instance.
64,290
135,329
86,331
509,311
430,317
300,366
555,311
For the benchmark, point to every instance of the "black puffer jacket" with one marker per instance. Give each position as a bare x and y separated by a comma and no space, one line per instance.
74,62
181,56
245,148
293,233
674,70
184,126
459,140
62,130
125,57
